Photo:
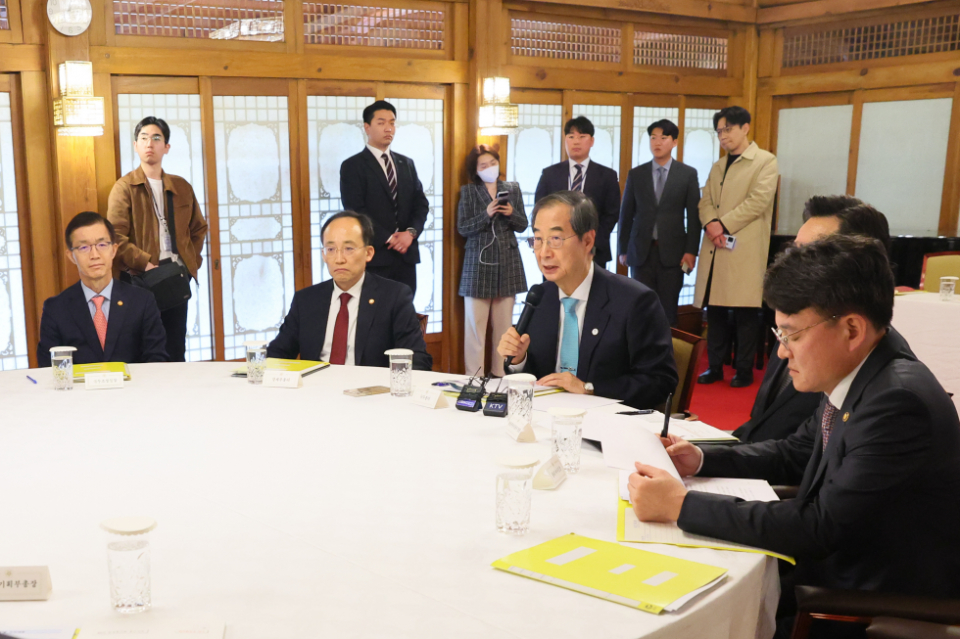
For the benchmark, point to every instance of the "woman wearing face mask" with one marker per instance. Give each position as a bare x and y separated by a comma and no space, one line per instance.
492,269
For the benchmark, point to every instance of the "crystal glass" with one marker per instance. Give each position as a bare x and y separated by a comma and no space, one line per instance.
256,361
128,560
514,494
61,363
948,286
567,427
401,367
520,399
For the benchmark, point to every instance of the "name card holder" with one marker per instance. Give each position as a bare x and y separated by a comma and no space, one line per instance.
25,583
102,381
550,475
282,379
520,431
430,396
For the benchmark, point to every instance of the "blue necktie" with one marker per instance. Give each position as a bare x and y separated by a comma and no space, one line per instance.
570,342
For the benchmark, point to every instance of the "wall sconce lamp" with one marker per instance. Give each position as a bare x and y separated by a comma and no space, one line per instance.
497,115
77,111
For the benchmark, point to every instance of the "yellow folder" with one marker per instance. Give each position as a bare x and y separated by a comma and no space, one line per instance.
637,578
79,370
304,366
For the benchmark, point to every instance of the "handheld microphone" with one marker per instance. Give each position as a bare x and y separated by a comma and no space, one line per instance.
534,295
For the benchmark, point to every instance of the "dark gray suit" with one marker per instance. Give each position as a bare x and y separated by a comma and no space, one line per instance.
656,263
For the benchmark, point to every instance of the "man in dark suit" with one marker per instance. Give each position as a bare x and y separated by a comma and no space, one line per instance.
878,466
103,318
355,317
594,331
580,173
779,409
657,241
384,185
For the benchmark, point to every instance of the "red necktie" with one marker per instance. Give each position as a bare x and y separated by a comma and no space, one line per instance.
100,320
338,352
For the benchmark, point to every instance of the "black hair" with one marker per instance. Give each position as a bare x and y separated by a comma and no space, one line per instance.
583,213
836,275
734,115
87,218
163,126
581,124
853,216
827,205
473,158
668,128
379,105
366,225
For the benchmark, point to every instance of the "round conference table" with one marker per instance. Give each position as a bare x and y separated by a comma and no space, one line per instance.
930,327
308,513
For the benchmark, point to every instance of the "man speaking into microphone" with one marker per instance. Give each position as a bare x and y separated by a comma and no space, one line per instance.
594,331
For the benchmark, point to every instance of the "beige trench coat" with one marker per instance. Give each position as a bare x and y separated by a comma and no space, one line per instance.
743,202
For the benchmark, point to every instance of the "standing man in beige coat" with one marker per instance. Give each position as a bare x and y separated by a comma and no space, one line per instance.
735,210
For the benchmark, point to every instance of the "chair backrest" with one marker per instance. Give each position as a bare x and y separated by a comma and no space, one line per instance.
687,350
935,266
423,323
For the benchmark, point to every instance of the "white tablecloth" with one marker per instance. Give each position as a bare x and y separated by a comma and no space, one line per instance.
306,513
932,328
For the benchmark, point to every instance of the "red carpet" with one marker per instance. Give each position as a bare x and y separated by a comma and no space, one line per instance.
721,406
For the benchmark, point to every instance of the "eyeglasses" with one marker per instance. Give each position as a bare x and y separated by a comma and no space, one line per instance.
83,249
786,339
726,129
348,251
156,137
554,242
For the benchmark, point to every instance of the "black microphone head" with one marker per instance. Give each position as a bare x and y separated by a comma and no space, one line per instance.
534,295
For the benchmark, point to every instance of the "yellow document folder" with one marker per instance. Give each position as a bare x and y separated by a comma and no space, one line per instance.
79,370
303,366
628,576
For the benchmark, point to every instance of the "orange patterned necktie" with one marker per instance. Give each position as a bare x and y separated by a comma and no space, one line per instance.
100,320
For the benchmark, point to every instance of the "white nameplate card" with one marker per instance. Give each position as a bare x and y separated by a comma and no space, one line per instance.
520,431
102,381
282,379
25,583
550,475
430,396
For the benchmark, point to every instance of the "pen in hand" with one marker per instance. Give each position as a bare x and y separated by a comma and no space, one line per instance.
666,415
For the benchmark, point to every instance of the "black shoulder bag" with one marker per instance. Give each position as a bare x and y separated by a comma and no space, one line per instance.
170,281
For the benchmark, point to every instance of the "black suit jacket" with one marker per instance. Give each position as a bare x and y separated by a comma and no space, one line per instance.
134,331
640,211
785,414
879,509
364,189
626,350
600,185
388,322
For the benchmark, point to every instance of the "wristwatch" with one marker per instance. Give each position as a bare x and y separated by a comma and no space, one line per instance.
588,388
412,231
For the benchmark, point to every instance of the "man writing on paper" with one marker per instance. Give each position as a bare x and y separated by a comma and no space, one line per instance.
355,317
103,318
594,331
878,466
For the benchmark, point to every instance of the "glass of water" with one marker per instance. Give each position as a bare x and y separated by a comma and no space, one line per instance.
520,399
514,494
61,363
948,286
401,375
256,360
128,559
567,427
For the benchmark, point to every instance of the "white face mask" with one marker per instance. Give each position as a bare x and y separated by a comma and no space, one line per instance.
489,174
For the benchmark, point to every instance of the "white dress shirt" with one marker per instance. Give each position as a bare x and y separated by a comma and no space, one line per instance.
839,393
573,171
377,153
353,307
89,294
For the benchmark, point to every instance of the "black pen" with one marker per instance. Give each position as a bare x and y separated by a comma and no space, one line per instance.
636,412
666,415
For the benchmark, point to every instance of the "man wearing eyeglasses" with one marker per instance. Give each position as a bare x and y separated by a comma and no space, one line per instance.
736,209
157,218
104,319
594,331
354,317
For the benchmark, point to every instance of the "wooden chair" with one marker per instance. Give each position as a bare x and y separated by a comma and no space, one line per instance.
687,351
935,266
423,323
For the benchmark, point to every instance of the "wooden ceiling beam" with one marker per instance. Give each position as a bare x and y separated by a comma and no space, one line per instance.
713,10
815,9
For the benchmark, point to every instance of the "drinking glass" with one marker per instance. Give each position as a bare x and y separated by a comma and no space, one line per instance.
256,360
520,399
948,286
61,363
567,427
514,494
401,377
128,560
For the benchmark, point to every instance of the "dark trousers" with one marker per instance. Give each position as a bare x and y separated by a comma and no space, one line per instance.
665,281
399,272
175,324
723,323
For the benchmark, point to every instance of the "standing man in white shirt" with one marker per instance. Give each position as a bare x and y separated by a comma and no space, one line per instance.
157,217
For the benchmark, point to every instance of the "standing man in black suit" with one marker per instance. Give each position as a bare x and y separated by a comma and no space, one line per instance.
103,318
594,331
580,173
657,241
355,317
878,466
384,185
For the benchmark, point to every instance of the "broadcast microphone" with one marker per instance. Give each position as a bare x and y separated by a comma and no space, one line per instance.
534,295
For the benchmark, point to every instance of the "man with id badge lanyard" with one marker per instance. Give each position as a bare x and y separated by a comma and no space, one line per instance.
157,217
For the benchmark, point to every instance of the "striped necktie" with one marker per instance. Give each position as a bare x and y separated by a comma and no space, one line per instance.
391,176
578,178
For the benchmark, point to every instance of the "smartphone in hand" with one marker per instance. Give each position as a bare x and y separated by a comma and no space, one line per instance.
503,198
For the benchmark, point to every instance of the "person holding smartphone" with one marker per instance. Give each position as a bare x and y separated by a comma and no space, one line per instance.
489,216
